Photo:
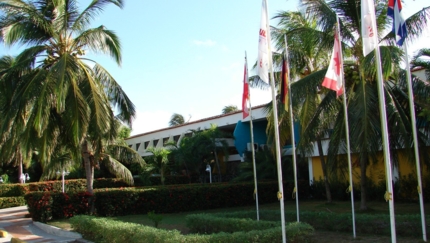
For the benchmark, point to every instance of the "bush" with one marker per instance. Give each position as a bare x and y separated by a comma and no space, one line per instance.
8,202
45,206
13,190
108,230
378,224
71,186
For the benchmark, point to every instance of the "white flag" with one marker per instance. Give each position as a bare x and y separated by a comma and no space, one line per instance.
263,60
368,26
333,78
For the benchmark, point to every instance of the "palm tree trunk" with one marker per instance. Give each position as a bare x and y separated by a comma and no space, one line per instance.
217,164
89,168
162,174
324,169
363,182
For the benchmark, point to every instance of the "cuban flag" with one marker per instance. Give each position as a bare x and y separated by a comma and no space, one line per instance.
399,24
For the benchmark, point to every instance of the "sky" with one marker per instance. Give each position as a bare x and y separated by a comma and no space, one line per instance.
187,56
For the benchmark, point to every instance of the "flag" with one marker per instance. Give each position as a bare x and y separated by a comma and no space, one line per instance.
245,96
333,77
368,26
263,59
284,84
399,24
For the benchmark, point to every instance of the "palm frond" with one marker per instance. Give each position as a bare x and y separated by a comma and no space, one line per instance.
100,40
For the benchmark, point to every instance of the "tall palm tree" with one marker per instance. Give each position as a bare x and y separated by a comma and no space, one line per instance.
229,108
66,93
11,148
361,89
307,51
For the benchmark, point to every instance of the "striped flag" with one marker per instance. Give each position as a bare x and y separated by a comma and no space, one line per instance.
399,24
245,96
333,78
368,26
284,84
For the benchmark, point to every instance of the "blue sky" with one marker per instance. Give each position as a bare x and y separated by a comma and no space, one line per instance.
187,56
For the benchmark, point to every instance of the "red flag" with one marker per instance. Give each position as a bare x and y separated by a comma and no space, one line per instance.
245,96
284,84
333,78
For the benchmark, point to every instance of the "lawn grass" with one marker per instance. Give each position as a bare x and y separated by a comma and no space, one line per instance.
177,220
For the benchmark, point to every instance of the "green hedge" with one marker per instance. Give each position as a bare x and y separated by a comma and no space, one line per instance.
110,231
377,224
71,186
8,202
13,190
45,206
160,199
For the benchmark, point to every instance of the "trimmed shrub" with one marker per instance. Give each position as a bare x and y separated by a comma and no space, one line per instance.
72,186
13,190
8,202
108,230
45,206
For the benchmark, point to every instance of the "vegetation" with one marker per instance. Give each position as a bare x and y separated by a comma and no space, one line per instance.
158,161
313,105
177,119
56,101
108,230
200,148
229,108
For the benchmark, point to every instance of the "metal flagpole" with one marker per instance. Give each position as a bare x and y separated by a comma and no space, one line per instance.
370,43
386,145
346,128
293,142
252,143
275,121
416,147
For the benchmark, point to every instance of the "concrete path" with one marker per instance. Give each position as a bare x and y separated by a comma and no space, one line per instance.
14,222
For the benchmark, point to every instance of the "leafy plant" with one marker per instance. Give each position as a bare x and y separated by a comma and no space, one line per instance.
156,218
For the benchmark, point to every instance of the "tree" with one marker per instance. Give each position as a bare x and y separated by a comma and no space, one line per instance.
306,55
177,119
422,60
361,89
229,108
200,148
158,161
67,97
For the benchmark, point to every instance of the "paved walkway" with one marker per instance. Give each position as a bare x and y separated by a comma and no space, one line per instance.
14,222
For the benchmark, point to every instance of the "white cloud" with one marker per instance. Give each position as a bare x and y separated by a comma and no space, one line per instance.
150,121
204,43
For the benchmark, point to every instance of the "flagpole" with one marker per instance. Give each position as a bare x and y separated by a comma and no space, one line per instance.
265,67
416,147
351,184
370,43
293,142
383,114
276,127
252,143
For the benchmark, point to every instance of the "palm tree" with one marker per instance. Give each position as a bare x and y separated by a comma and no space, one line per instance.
66,93
422,60
158,161
11,148
177,119
361,89
306,55
229,108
